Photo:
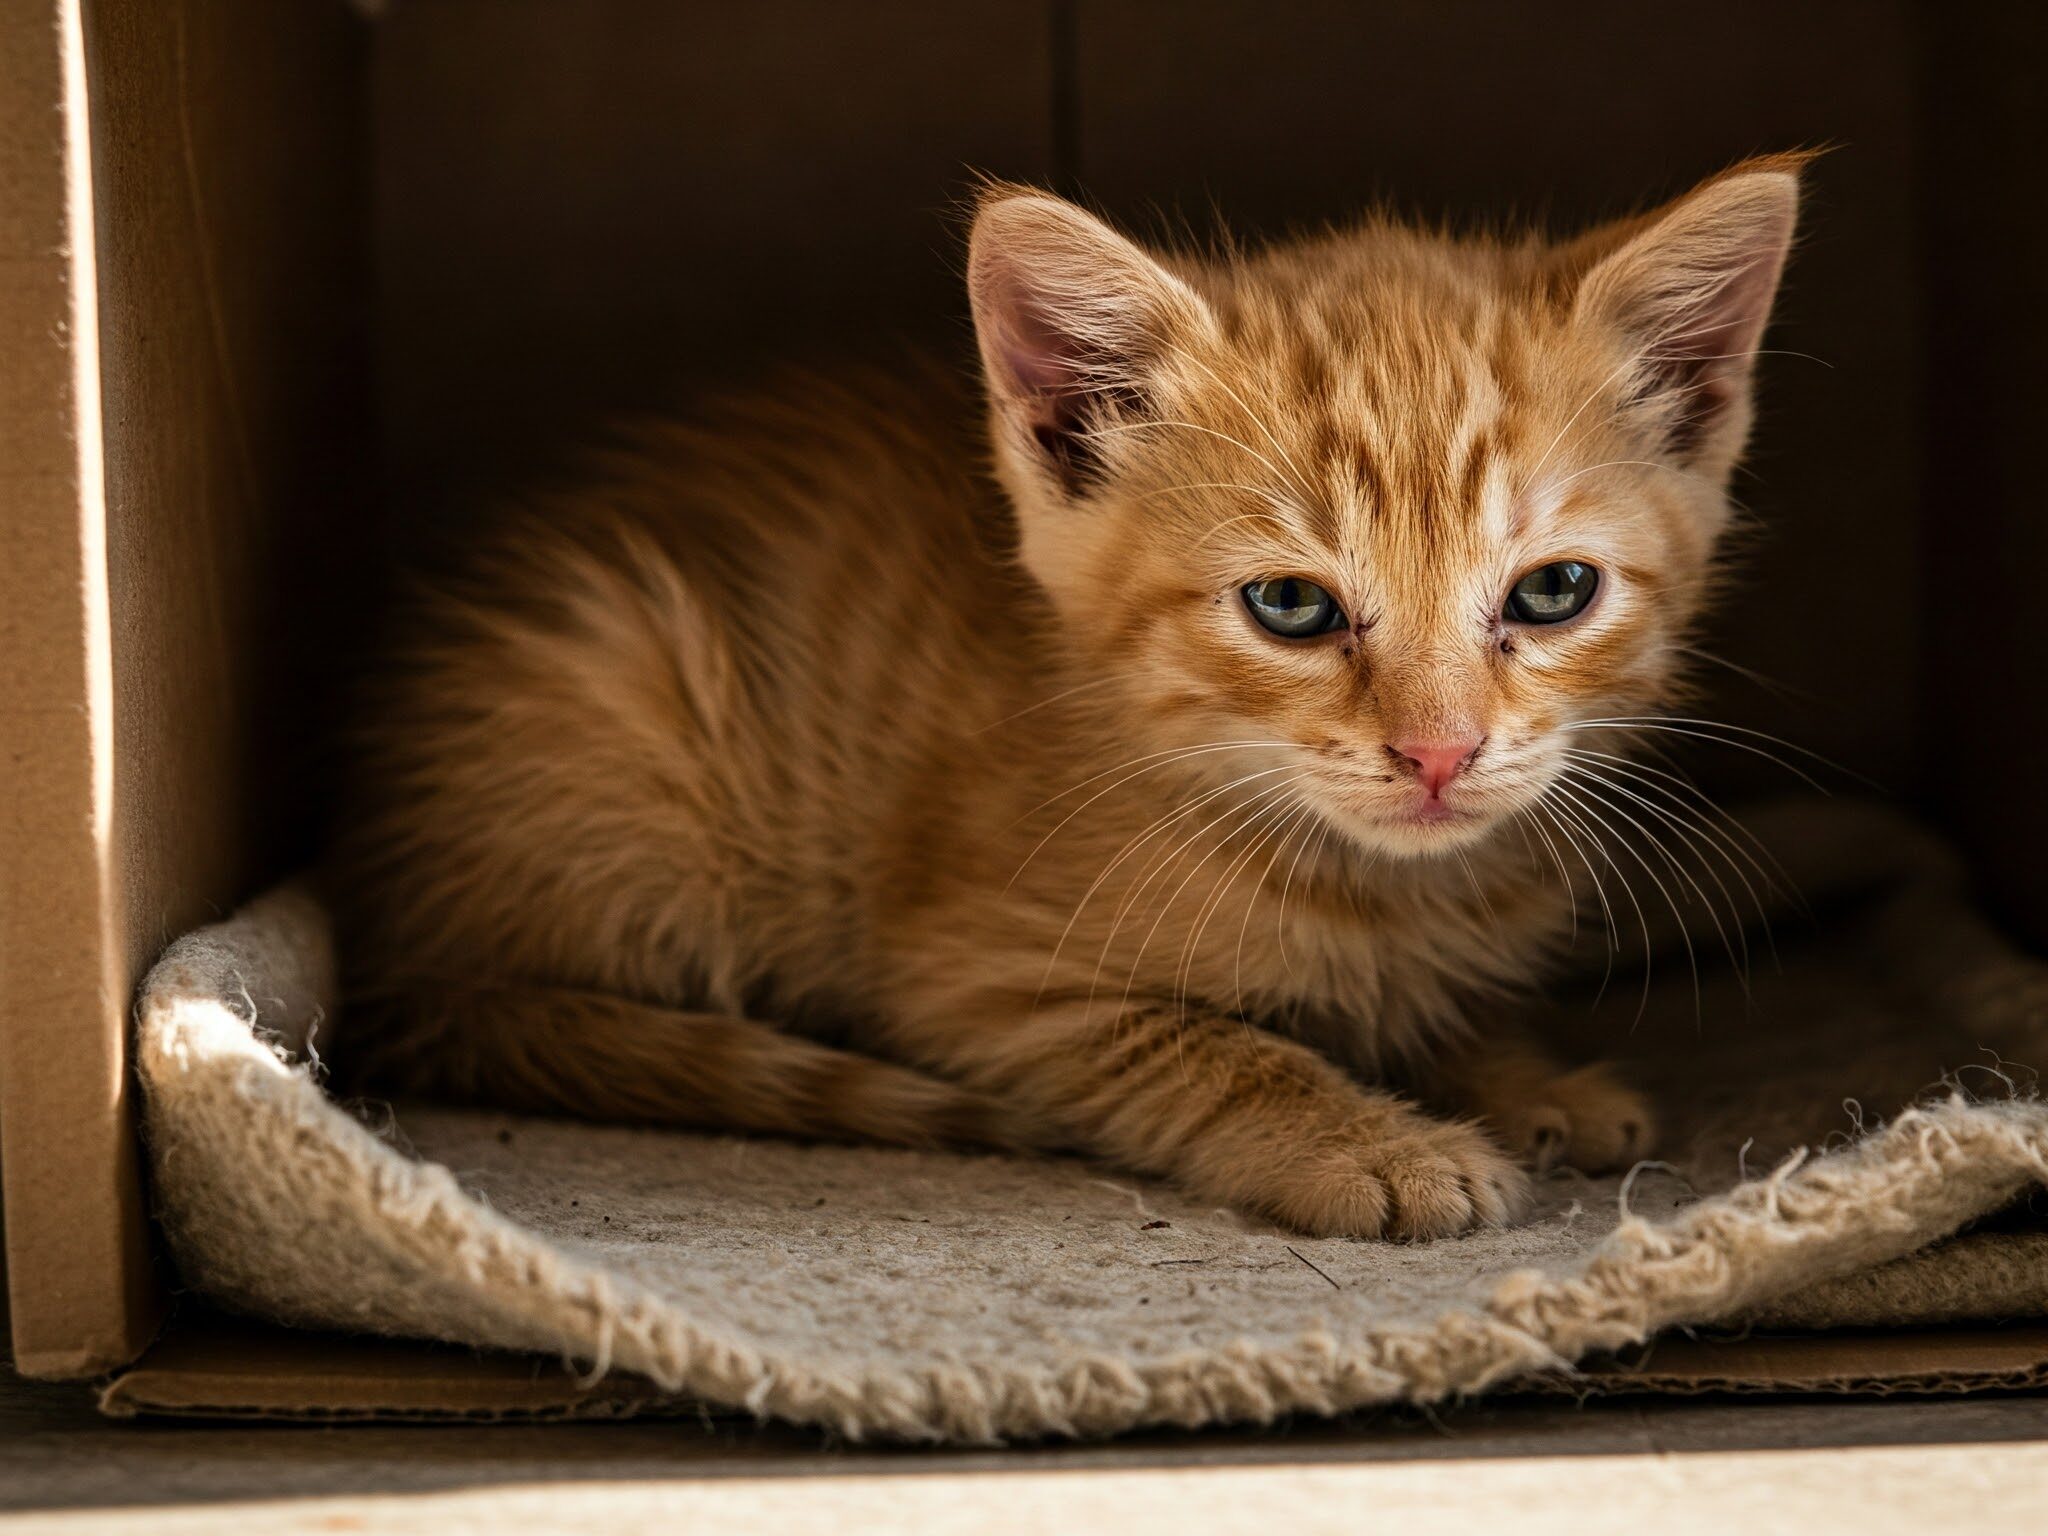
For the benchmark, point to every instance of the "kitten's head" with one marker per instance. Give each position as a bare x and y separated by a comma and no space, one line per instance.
1408,510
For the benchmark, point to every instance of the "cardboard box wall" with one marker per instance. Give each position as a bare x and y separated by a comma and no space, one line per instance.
277,283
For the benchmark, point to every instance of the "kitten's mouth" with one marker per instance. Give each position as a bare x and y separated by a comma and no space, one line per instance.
1430,824
1416,823
1434,810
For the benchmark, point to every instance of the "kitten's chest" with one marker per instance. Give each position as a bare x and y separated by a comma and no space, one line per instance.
1384,972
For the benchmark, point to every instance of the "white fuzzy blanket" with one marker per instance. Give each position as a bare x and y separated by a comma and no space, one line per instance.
1822,1136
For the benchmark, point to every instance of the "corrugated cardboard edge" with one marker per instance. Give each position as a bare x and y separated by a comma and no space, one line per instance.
1879,1363
218,1367
229,1369
78,1268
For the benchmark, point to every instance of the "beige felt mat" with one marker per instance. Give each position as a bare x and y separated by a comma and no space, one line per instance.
1828,1128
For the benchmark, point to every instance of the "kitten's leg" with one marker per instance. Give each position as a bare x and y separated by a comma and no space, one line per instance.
558,1050
1549,1115
1243,1116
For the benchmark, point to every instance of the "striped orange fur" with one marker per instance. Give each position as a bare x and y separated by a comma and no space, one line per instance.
831,764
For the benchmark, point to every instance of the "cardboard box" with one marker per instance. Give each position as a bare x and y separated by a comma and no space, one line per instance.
277,281
182,302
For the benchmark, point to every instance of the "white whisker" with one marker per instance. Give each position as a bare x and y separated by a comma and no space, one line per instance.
1685,831
1563,875
1553,815
1685,728
1571,421
1169,756
1131,847
1650,721
1587,787
1066,693
1669,469
1729,835
1280,921
1577,814
1301,820
1188,426
1137,960
1185,964
1300,480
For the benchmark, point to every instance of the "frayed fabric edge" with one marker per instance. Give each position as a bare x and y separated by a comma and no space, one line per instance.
251,1155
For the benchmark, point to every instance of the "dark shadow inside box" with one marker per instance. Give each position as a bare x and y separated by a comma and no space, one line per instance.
583,210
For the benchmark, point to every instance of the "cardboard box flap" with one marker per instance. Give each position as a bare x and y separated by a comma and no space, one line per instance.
215,1367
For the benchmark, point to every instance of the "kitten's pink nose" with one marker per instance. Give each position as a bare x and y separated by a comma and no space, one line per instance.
1436,763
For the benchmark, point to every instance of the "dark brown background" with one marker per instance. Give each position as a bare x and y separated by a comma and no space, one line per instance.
579,205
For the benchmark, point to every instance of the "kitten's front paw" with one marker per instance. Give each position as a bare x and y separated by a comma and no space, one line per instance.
1403,1176
1586,1119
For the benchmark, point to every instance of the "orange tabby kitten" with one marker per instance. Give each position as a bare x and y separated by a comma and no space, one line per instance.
1167,796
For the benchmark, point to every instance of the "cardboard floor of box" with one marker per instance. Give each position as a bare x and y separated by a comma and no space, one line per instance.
209,1366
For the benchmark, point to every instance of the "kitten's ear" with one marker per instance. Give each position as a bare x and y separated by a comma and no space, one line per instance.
1073,321
1690,288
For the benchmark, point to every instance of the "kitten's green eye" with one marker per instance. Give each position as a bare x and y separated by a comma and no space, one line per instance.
1550,594
1292,608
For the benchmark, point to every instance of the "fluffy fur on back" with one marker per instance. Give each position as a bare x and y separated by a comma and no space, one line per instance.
796,774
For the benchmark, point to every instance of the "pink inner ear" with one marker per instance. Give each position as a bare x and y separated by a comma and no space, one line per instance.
1049,370
1071,316
1038,357
1702,313
1690,289
1045,370
1042,369
1706,355
1724,324
1044,365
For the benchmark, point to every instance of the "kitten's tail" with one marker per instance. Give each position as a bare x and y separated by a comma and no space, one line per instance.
557,1050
